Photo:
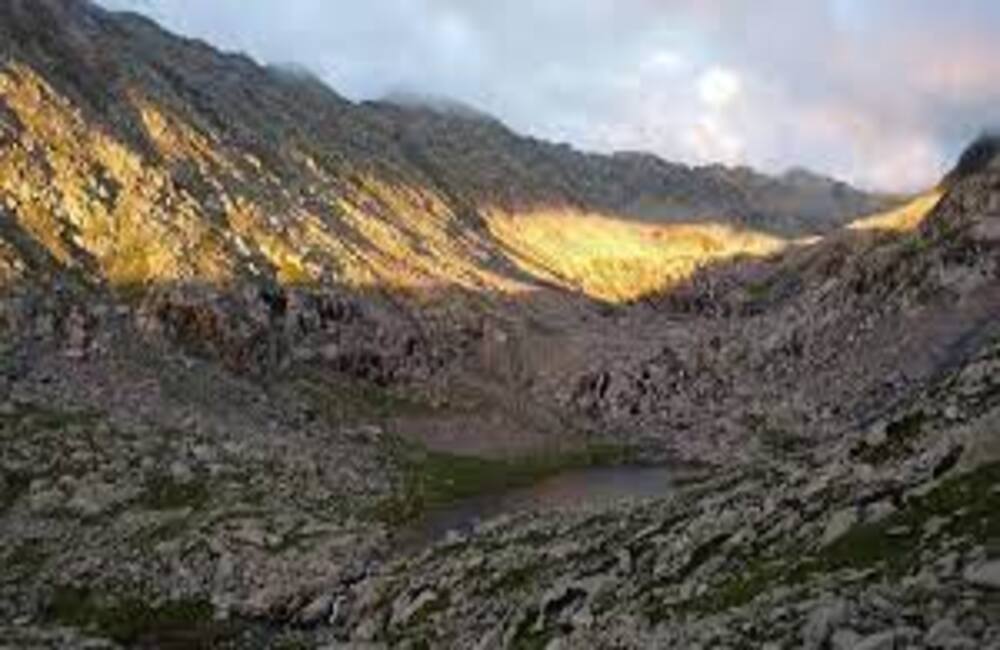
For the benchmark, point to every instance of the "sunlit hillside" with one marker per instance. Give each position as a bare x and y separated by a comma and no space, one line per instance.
618,260
902,219
189,214
219,171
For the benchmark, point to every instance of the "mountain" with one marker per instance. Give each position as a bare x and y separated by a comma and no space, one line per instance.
255,334
220,169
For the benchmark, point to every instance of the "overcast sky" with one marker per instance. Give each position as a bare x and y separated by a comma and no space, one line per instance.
884,93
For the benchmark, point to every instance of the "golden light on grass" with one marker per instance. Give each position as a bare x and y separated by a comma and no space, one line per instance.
617,260
208,212
903,219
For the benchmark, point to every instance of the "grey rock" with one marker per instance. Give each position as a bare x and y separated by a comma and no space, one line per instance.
822,622
558,643
935,525
844,639
352,645
890,640
946,635
879,511
899,531
181,473
316,611
877,436
370,628
583,619
492,640
626,564
45,501
986,576
561,600
405,610
92,499
839,525
947,565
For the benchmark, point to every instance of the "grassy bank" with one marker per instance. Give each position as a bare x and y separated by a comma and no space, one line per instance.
432,478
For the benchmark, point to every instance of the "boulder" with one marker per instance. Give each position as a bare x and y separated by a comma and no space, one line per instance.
985,576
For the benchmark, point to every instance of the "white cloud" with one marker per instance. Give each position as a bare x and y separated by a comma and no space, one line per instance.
881,93
712,139
719,87
661,61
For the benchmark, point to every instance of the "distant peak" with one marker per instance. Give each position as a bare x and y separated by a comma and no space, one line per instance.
981,155
804,175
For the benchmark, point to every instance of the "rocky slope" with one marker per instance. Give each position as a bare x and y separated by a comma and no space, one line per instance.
249,328
139,157
879,532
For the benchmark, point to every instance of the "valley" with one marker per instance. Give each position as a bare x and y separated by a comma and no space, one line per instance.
279,369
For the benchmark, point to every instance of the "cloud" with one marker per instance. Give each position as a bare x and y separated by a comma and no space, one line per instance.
884,94
718,88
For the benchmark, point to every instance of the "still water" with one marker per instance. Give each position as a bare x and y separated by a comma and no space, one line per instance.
582,488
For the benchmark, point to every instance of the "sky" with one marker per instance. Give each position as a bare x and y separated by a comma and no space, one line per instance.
882,93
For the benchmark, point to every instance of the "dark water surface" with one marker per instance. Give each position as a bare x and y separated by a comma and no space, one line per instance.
582,488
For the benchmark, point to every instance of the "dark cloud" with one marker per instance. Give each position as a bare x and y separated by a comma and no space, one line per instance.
882,92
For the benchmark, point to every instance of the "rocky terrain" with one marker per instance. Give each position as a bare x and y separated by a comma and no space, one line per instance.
252,330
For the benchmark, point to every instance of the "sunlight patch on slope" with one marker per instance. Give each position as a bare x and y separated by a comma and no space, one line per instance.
205,209
616,260
202,210
90,201
903,219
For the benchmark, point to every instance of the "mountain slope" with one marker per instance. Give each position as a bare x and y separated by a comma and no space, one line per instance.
210,168
250,329
856,382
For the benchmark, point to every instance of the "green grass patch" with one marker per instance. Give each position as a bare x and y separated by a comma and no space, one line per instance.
170,529
760,291
914,245
8,361
514,580
25,418
968,501
782,442
293,643
163,492
352,400
13,485
132,621
899,436
529,635
739,589
701,555
431,478
25,561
